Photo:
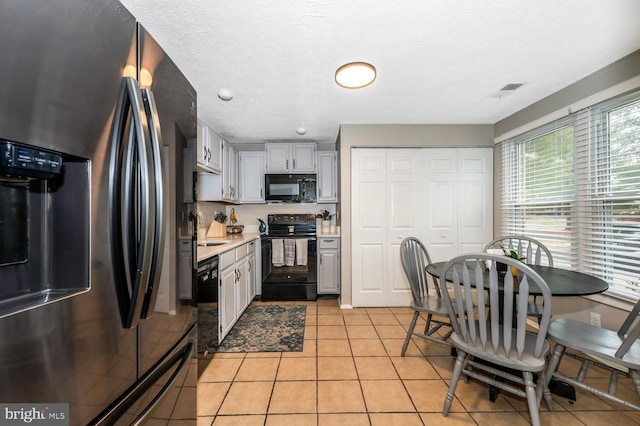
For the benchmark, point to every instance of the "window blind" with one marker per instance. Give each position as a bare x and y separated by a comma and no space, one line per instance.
574,184
538,188
608,163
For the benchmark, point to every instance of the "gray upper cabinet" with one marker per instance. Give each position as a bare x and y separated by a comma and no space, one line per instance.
209,158
251,176
290,157
327,177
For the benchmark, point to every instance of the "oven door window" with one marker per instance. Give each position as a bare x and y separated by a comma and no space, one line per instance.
286,265
14,225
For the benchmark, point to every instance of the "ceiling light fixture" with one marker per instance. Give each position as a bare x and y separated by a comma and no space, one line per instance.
225,94
355,75
301,131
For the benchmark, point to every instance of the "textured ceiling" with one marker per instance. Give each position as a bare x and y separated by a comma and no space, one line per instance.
438,61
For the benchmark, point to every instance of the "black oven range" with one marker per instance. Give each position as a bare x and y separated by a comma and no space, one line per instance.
289,258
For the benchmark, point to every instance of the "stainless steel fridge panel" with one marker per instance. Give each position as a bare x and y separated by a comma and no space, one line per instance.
62,67
63,63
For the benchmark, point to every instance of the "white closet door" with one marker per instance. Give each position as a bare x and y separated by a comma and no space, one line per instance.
368,226
405,213
475,199
386,206
443,196
441,176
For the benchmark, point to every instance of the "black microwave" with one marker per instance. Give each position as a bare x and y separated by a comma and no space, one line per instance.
290,188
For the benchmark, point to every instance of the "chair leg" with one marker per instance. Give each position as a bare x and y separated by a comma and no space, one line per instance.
613,382
405,345
635,378
544,390
532,400
428,324
455,376
552,365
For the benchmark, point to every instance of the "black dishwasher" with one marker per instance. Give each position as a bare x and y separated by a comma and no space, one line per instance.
207,278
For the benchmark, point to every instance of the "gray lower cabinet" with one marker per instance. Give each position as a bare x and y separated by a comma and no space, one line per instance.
328,265
237,285
227,311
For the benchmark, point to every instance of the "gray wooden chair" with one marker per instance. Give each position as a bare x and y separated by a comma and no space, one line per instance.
426,297
492,338
615,351
534,252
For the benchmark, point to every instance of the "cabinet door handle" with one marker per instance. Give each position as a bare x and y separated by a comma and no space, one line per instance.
287,165
294,163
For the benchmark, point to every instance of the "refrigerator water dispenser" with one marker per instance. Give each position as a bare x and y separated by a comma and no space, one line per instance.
44,226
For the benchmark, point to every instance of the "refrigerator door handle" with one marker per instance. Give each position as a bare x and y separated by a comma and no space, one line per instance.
129,202
157,180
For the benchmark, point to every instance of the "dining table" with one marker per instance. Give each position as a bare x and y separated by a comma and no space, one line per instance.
562,283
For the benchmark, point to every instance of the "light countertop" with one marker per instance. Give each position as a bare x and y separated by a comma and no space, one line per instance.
235,240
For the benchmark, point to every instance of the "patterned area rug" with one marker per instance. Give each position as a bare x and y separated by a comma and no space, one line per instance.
261,328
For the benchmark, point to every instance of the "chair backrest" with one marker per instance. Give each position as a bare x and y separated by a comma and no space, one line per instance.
491,322
531,249
628,334
415,258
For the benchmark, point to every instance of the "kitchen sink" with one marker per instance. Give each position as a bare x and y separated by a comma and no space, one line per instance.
212,243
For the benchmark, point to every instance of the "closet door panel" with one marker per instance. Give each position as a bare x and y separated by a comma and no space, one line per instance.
475,198
368,226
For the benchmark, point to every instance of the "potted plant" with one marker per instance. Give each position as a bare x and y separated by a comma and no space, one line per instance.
514,255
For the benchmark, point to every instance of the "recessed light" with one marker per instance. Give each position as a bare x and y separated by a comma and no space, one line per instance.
355,75
225,94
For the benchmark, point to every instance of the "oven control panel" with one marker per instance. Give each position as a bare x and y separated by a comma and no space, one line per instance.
291,219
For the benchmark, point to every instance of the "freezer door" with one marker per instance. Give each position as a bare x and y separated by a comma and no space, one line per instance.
166,393
62,66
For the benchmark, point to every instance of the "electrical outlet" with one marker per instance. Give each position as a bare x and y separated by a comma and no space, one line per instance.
594,319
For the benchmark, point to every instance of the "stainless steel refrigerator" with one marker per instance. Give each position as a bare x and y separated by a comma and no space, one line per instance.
94,117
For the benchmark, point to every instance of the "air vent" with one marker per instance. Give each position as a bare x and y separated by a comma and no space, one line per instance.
507,90
511,86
